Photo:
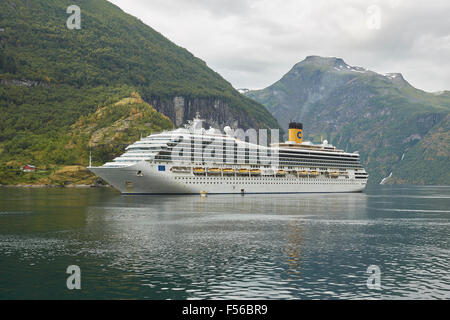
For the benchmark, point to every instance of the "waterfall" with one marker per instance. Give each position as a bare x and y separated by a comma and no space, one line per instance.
384,179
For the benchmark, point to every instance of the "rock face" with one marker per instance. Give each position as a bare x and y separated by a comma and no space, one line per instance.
381,116
23,83
215,111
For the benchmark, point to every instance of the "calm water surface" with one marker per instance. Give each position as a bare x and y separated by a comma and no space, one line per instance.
307,246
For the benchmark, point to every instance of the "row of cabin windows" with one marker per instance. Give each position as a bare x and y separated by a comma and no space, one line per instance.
277,182
259,161
201,145
224,153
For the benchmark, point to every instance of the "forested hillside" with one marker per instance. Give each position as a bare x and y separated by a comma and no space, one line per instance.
51,76
98,136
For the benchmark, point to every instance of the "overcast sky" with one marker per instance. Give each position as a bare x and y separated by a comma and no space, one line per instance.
252,43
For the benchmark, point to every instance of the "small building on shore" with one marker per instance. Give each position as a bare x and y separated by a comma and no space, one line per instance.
28,168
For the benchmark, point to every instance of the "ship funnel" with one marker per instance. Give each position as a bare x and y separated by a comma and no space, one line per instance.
296,132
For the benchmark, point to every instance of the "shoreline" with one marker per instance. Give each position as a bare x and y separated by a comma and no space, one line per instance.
42,186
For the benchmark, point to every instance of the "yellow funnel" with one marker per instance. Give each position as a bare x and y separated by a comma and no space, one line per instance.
296,132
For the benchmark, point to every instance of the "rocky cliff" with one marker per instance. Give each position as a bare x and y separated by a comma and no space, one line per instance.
215,111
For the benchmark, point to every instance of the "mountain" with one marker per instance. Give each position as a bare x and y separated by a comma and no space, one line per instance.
394,126
113,48
51,76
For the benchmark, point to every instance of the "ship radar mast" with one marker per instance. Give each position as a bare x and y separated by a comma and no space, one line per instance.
195,125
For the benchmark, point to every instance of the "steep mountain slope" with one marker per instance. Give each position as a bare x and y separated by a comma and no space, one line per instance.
50,76
113,48
381,116
429,157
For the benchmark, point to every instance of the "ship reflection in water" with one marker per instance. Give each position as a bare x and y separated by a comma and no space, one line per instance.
300,246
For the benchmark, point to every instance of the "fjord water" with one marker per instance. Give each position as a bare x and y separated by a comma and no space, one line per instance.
303,246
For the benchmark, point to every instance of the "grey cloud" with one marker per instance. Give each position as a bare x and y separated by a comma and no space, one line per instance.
253,43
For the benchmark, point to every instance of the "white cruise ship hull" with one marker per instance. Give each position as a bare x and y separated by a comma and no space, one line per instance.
148,178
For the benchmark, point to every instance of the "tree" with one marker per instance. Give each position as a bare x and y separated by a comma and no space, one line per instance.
10,64
2,60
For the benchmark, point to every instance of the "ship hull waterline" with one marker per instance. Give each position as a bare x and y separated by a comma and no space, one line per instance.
146,179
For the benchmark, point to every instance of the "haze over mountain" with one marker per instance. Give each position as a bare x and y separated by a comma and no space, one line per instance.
395,127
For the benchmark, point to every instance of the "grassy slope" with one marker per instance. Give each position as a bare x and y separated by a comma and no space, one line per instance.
107,131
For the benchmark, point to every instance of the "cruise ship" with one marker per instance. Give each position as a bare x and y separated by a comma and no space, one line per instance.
192,160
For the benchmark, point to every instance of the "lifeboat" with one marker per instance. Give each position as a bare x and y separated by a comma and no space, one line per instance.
303,173
228,171
255,172
214,171
199,170
281,173
268,172
334,174
314,173
180,169
243,171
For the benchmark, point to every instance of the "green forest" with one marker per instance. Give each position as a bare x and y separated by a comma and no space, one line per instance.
51,77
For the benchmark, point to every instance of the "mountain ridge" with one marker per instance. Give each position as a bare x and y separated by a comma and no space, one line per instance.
382,116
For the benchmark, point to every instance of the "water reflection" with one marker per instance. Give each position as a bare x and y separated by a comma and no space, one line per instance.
230,246
294,248
221,246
